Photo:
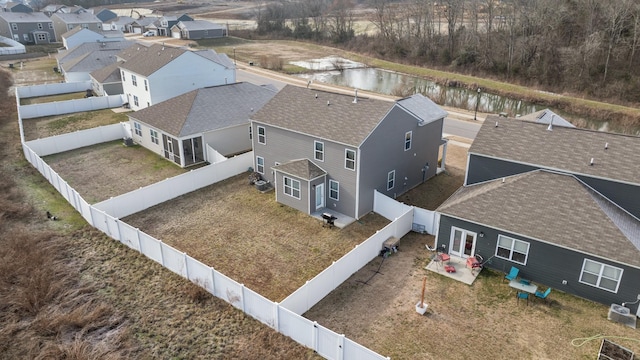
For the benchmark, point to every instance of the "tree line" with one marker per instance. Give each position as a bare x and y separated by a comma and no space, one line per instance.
586,47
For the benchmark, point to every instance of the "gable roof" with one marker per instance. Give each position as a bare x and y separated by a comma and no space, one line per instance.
90,61
550,207
145,20
145,60
298,109
547,116
107,74
195,25
206,109
22,17
82,49
77,18
562,148
422,108
301,168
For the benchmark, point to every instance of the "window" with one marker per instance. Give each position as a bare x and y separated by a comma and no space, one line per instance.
26,37
334,190
350,159
260,164
40,27
154,136
135,100
41,37
70,27
250,132
319,150
291,187
262,135
146,88
14,26
391,179
134,80
600,275
85,26
407,140
50,25
137,128
512,249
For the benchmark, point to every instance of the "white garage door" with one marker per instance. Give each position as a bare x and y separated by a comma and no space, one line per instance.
175,34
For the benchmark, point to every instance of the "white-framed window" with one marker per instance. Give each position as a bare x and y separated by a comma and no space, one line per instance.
349,159
318,150
407,140
146,87
85,26
602,276
250,132
41,37
291,187
137,128
134,80
14,26
391,179
260,164
262,135
25,37
334,190
40,27
154,136
50,25
135,100
512,249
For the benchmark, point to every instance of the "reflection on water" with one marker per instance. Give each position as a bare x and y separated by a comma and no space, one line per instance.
391,83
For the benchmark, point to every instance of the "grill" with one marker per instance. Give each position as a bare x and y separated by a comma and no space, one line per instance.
328,220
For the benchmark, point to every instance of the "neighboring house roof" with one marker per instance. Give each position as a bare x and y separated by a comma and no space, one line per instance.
77,18
547,116
344,121
91,61
301,168
20,17
82,49
426,110
107,74
217,58
104,33
144,21
104,14
194,25
74,31
562,148
550,207
206,109
122,20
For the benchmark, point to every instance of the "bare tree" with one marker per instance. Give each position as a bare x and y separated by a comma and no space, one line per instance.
616,15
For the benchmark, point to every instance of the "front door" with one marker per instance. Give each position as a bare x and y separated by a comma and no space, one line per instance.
319,196
463,243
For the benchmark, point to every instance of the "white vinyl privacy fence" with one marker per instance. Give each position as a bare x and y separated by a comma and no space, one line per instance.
71,106
13,47
277,316
51,89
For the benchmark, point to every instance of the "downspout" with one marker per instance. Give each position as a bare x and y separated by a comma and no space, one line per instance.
357,214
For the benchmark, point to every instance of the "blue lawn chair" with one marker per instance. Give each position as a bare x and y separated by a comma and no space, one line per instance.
523,296
543,295
512,274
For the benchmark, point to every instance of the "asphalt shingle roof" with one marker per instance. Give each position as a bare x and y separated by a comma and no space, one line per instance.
91,61
107,74
19,17
82,49
301,168
200,25
547,116
206,109
550,207
82,17
145,60
562,148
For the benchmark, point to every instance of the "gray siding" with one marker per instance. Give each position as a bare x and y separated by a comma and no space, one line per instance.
384,151
283,146
624,195
483,169
205,34
26,29
301,204
547,264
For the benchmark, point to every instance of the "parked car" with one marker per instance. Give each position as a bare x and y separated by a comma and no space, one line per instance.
149,33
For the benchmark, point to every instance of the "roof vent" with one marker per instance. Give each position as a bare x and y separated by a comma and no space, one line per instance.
316,95
496,124
591,162
550,127
355,99
606,146
308,83
328,103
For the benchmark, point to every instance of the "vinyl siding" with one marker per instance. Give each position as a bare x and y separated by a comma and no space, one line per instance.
547,265
384,151
231,140
624,195
301,204
483,169
283,146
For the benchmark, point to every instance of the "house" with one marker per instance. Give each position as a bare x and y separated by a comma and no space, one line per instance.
140,25
80,35
121,23
156,73
62,9
77,63
104,14
547,116
191,128
198,29
164,24
27,27
561,204
327,150
106,81
63,22
16,7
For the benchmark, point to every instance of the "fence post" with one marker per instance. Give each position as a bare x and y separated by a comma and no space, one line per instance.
314,336
341,347
213,281
276,317
242,302
161,252
186,265
139,242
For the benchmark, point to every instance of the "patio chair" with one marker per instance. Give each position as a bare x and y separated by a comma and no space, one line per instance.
543,295
512,274
523,296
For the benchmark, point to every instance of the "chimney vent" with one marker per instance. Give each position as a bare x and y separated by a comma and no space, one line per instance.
606,146
355,99
316,95
591,162
496,124
328,103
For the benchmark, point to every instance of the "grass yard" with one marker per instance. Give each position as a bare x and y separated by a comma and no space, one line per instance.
248,236
43,127
52,98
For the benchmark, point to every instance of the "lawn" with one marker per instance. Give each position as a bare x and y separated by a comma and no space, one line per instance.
43,127
52,98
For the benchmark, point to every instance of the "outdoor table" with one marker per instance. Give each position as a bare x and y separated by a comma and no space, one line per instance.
531,289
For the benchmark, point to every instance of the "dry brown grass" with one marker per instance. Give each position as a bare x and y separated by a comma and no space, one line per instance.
60,124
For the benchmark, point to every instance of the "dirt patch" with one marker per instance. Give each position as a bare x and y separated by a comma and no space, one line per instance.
271,248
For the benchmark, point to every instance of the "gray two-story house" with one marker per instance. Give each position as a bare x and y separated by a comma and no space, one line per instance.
325,150
561,204
63,22
27,27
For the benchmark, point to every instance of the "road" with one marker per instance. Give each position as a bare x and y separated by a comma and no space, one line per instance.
459,123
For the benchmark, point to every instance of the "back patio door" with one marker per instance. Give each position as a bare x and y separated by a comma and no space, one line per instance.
319,196
463,243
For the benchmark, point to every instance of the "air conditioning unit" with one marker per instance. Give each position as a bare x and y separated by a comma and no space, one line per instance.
261,185
622,315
